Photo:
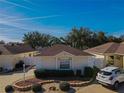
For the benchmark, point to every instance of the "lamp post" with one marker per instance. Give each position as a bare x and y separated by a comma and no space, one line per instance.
24,71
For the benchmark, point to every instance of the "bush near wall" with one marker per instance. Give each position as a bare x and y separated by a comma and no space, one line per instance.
53,73
91,72
88,72
95,71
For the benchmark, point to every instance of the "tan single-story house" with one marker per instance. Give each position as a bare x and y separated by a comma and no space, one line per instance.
11,54
109,53
62,57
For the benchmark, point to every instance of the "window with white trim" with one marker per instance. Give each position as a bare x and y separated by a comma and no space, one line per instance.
65,63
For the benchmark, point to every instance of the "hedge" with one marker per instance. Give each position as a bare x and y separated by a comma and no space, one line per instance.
53,73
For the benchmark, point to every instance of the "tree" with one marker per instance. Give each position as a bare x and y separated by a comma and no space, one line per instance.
55,40
122,38
102,38
2,42
79,38
36,39
114,39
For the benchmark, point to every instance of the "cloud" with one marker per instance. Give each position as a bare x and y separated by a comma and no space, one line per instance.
15,4
32,18
8,39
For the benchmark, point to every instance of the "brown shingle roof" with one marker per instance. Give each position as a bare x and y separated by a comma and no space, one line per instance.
110,47
15,49
3,50
120,49
54,50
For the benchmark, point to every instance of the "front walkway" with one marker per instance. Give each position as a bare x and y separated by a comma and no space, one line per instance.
10,78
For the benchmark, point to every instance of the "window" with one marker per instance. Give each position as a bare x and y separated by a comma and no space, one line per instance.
117,71
105,73
65,63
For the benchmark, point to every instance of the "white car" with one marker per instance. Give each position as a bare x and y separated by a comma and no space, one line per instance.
112,76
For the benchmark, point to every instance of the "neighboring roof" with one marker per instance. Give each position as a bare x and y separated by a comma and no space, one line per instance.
56,49
15,49
3,50
109,69
110,47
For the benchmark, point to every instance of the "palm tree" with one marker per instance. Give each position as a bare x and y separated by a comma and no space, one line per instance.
36,39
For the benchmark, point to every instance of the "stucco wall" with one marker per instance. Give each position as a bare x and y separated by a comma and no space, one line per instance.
7,61
45,62
99,60
51,62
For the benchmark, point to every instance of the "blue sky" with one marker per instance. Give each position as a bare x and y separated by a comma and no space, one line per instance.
57,17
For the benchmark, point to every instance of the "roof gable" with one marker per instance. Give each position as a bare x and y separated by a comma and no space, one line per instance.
56,49
64,53
107,48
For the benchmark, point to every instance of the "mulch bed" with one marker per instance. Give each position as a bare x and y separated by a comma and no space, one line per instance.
28,82
26,85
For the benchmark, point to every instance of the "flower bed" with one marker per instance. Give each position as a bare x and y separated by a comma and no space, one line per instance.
27,84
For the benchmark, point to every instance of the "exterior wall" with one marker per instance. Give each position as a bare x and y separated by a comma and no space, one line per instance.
28,54
123,62
99,60
51,62
27,57
9,61
81,62
117,60
45,62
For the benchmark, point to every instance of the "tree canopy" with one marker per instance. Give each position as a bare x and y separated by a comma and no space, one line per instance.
81,38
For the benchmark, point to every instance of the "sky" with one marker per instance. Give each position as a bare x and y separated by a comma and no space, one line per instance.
58,17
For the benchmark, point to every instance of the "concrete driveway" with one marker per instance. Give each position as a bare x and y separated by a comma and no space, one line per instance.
10,78
97,88
93,88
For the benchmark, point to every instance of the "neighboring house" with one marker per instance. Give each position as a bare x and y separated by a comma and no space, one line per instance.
62,57
109,53
11,54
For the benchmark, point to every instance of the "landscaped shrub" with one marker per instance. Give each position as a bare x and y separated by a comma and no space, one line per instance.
59,73
36,88
1,69
64,86
53,73
78,72
39,73
95,71
9,89
88,72
19,64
